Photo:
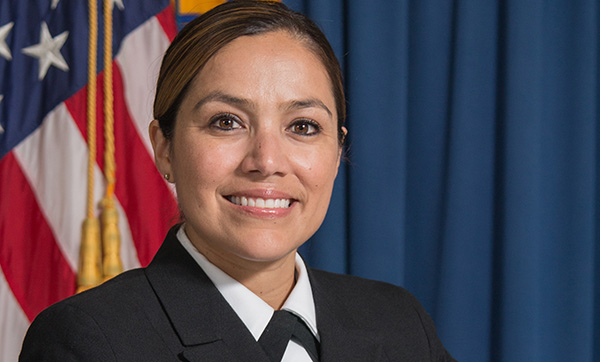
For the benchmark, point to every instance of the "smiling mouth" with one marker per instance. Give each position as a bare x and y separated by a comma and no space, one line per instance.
260,203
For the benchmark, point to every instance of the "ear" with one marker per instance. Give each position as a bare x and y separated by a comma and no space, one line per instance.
162,151
341,148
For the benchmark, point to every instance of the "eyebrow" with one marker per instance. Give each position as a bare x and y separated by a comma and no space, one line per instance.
218,96
308,103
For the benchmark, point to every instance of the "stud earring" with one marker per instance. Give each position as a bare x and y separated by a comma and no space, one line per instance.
166,176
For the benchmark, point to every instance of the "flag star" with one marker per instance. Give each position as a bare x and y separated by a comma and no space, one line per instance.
48,51
54,4
4,49
119,4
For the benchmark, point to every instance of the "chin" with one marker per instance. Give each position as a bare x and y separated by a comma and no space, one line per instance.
266,250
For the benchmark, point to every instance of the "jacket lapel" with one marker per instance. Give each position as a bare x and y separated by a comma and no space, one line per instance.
208,328
341,338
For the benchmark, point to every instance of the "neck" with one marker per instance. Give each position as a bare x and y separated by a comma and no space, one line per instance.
272,281
273,284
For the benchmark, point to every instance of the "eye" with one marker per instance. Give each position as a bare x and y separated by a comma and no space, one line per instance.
225,122
305,127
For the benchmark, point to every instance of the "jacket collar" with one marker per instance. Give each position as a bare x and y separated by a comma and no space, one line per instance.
213,331
204,322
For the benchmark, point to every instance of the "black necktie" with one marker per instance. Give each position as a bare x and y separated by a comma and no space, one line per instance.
282,327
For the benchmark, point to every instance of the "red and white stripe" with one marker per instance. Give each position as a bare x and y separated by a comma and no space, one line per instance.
43,184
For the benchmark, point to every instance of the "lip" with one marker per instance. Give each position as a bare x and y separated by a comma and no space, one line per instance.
262,212
262,194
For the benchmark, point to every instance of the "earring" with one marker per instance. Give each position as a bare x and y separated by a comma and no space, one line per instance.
166,176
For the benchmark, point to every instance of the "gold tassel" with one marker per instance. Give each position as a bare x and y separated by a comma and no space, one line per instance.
89,274
111,240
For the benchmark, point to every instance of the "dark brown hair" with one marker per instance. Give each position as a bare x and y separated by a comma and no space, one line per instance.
203,37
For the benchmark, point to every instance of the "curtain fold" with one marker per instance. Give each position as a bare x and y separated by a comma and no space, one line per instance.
473,171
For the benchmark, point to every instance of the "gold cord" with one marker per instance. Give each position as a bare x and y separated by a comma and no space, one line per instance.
111,240
89,273
91,104
109,117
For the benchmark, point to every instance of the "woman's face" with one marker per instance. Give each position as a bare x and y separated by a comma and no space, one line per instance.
255,152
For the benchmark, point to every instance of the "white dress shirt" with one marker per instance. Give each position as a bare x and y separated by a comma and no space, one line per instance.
253,311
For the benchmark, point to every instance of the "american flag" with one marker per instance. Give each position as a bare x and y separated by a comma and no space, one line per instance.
43,147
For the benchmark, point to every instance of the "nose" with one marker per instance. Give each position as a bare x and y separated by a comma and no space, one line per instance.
266,155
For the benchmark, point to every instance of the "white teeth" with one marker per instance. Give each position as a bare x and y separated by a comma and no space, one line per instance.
262,203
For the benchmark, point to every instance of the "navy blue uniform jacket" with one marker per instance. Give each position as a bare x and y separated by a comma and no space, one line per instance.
171,311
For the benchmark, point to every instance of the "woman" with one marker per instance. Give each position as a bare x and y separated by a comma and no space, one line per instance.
249,116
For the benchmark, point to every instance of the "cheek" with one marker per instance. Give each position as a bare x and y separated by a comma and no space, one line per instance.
316,170
204,164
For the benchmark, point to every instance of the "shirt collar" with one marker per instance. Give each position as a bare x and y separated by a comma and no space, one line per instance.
253,311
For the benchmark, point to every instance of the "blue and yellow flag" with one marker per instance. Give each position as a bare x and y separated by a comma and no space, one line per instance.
187,10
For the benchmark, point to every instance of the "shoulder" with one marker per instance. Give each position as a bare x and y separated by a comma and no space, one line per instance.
84,326
363,292
372,304
388,313
119,291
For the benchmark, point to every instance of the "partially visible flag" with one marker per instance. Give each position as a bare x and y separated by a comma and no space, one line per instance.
188,10
43,147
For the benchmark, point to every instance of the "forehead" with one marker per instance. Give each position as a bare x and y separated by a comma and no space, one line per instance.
275,63
268,43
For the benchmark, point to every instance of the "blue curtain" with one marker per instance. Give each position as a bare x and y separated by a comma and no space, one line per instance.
473,175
